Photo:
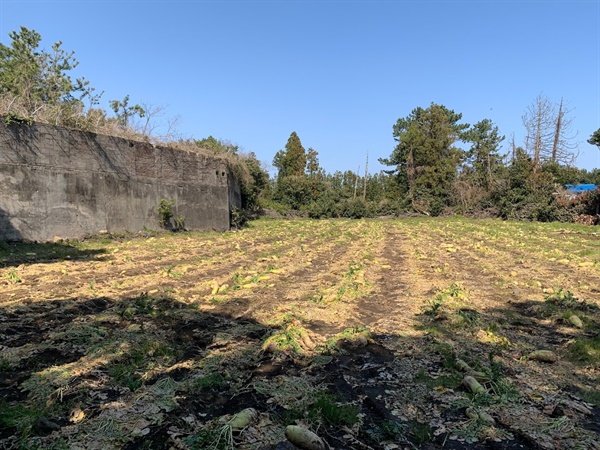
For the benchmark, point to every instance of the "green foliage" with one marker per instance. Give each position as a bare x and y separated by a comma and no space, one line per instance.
425,157
528,194
34,78
421,432
353,208
286,340
332,412
13,276
212,437
128,370
12,118
239,218
256,185
564,299
141,305
124,111
585,350
4,365
292,160
216,146
595,138
166,213
211,381
295,191
391,430
179,222
483,156
19,417
324,409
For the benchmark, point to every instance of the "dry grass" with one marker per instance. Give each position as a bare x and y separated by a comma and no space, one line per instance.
137,330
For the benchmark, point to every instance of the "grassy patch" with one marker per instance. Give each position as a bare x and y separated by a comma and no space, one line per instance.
19,417
420,432
585,350
451,305
325,409
451,381
290,340
388,430
137,364
212,436
5,365
351,337
590,395
207,382
13,276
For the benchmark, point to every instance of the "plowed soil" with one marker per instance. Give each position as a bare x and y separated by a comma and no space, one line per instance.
361,331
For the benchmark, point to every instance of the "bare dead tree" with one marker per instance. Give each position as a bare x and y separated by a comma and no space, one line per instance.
564,149
513,148
539,121
155,126
549,132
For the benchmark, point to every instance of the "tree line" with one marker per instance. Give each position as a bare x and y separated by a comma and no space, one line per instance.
438,166
442,166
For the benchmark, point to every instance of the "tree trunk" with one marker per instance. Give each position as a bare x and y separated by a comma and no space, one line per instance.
557,131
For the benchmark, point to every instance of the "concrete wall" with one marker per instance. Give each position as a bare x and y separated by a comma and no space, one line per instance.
60,182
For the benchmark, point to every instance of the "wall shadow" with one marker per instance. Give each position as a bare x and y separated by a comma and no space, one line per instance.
15,251
7,231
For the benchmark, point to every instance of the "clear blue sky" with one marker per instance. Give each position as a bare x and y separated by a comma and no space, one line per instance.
339,73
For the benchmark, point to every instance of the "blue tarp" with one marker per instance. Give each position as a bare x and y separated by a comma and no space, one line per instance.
581,188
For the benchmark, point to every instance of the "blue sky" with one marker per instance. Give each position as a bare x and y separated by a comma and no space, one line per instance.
339,73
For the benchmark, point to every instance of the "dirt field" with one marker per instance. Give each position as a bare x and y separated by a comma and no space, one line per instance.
374,334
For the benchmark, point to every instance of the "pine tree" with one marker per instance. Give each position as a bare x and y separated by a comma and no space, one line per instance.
425,157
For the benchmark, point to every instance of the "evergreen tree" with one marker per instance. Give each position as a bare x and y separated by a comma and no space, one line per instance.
32,78
292,160
425,157
595,138
312,164
293,187
483,155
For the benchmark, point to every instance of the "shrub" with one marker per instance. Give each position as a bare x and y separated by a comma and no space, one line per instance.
165,212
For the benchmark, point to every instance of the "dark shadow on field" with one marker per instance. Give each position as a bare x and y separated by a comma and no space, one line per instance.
17,253
214,364
504,341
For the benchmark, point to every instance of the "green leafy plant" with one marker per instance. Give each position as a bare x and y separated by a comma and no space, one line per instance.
13,276
421,432
330,411
325,409
165,212
239,219
4,365
180,222
212,437
19,417
585,350
16,119
210,381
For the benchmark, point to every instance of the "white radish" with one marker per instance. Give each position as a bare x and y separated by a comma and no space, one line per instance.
304,439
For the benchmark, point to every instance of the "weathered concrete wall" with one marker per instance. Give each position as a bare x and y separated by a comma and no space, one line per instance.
60,182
